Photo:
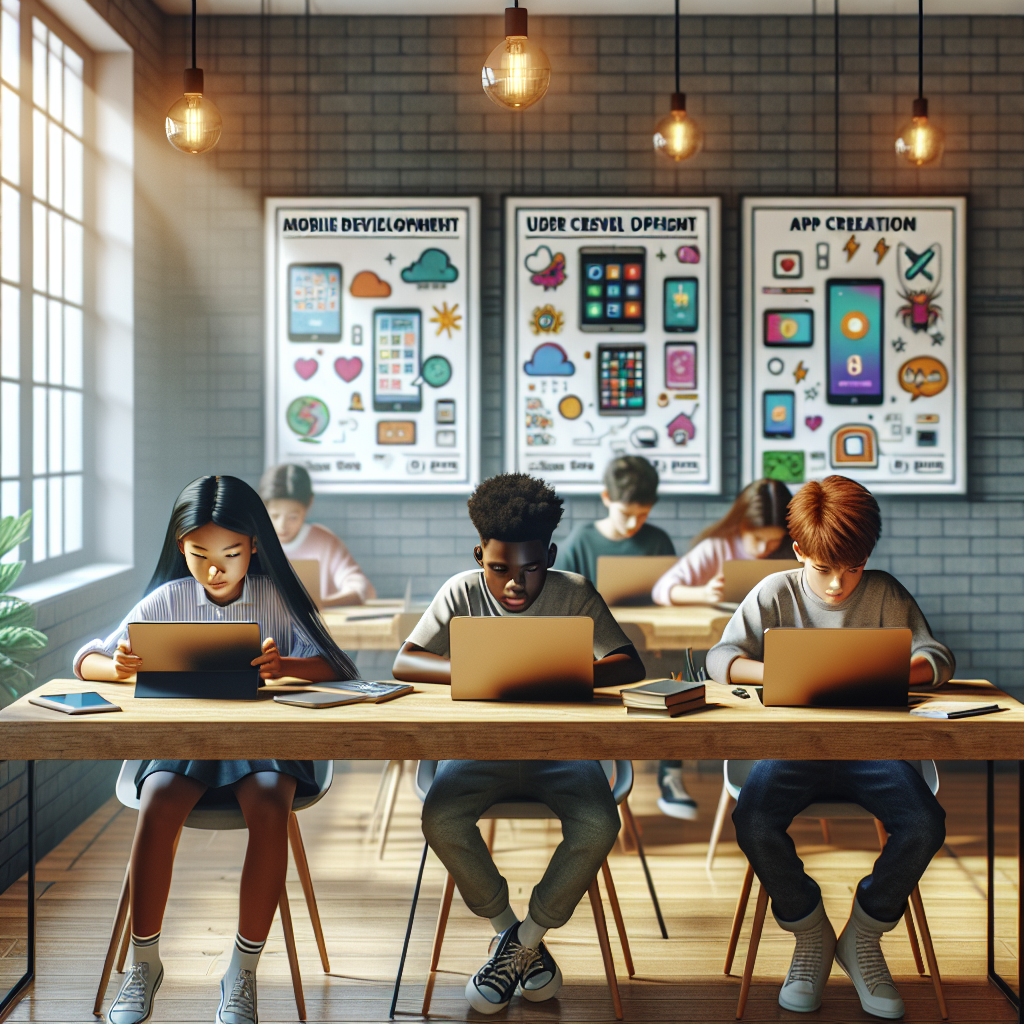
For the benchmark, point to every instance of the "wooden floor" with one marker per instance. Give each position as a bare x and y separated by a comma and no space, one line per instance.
364,905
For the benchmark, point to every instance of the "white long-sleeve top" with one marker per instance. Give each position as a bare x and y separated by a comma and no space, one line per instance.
701,564
339,571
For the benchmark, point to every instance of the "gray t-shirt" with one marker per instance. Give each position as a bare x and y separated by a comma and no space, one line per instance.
785,600
564,593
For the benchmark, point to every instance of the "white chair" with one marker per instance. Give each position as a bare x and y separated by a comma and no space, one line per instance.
736,773
384,805
620,777
214,814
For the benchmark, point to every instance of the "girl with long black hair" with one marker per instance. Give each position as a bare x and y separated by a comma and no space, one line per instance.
221,562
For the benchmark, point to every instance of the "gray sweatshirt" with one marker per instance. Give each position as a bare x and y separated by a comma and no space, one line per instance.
785,600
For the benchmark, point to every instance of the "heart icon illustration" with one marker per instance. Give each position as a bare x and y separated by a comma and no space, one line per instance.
813,422
788,265
305,368
348,369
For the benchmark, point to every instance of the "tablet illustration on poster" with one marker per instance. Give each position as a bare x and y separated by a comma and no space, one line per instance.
854,341
613,339
373,340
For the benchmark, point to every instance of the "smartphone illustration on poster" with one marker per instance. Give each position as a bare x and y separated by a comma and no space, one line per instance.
680,365
854,342
621,379
789,328
681,304
396,360
612,288
779,415
314,302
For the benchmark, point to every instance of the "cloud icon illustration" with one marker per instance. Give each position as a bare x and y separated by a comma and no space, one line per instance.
367,285
432,266
549,361
540,259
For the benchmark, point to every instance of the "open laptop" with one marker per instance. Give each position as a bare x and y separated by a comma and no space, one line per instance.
531,657
197,660
849,668
629,579
742,575
308,571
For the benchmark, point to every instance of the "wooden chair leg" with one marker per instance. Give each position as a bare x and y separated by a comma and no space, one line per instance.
378,800
634,825
435,950
929,950
620,925
116,930
825,834
492,831
737,918
126,942
389,808
755,939
606,949
907,916
293,956
302,867
716,828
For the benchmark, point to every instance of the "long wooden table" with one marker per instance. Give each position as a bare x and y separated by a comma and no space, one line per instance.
428,724
384,627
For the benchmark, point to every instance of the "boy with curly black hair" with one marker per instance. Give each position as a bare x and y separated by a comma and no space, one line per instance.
515,515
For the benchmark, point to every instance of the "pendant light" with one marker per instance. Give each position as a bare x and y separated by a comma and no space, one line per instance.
919,141
677,136
193,124
517,72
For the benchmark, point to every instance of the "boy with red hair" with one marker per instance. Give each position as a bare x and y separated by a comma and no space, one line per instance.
834,524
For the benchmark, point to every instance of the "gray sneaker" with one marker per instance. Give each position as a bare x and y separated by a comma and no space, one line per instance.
239,1005
133,1004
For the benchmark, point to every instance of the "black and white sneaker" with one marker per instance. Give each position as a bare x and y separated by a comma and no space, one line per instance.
674,800
542,978
133,1004
238,1005
492,987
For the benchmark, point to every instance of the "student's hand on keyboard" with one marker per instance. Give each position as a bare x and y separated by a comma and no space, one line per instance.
269,661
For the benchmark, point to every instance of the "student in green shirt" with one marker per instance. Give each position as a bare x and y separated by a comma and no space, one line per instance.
630,492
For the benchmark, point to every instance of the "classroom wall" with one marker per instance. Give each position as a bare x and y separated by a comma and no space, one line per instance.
395,107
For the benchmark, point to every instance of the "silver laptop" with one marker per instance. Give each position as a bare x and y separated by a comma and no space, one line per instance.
308,571
849,668
529,657
742,575
629,579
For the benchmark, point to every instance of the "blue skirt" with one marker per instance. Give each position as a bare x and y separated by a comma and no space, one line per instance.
221,774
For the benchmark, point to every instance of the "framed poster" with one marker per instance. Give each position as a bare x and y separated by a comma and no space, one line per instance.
854,342
613,339
373,342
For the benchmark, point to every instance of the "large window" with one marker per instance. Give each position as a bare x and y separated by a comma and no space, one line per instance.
42,283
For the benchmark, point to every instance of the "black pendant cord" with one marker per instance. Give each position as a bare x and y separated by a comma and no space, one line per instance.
193,35
677,47
920,49
835,98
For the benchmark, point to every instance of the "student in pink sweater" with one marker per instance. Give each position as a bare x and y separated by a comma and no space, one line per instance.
287,492
755,527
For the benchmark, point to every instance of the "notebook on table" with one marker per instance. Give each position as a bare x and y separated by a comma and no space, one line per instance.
850,668
308,571
196,660
523,658
629,579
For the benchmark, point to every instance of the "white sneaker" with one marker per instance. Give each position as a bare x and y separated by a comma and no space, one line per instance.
812,961
859,953
133,1004
238,1005
674,800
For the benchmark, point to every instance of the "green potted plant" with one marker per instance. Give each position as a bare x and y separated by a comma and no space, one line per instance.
19,641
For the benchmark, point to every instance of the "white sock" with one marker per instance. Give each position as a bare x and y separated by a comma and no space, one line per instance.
146,949
504,920
531,933
244,957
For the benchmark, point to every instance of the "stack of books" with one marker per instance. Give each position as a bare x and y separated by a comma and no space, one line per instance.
663,698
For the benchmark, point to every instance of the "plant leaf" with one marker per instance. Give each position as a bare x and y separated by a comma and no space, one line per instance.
13,530
16,640
9,572
16,612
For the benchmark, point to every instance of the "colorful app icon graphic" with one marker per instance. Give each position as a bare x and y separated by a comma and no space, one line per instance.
786,467
855,444
621,379
789,327
680,365
613,288
546,269
923,376
681,304
788,264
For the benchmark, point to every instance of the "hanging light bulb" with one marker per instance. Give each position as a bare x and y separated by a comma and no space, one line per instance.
193,124
517,72
677,136
919,141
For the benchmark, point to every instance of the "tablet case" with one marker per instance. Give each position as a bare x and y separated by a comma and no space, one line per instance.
227,684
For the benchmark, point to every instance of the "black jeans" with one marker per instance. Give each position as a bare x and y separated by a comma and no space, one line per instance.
893,791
